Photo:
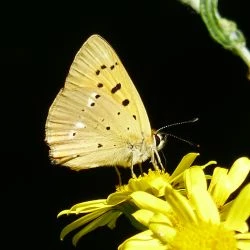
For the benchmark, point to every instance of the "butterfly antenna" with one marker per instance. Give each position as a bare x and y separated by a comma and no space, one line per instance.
184,140
177,137
177,124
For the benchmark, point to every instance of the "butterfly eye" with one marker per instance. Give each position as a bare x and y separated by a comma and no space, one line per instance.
160,140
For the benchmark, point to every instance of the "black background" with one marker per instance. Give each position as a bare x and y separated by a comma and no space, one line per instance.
179,71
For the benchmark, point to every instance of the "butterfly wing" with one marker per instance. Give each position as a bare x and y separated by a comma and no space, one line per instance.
98,116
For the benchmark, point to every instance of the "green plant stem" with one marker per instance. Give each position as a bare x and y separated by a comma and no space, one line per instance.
222,30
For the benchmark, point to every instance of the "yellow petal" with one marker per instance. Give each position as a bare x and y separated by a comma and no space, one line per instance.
107,218
143,241
245,236
205,207
195,178
180,205
149,202
220,186
239,210
85,207
117,198
83,221
224,182
239,172
243,244
185,163
162,228
143,216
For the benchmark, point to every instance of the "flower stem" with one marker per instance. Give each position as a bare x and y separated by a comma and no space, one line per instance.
222,30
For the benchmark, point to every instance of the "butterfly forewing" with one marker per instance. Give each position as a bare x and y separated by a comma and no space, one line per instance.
98,114
96,64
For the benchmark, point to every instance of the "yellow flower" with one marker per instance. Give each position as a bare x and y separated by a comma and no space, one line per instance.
103,212
201,219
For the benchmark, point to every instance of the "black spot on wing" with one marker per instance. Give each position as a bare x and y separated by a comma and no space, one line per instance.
97,96
113,65
92,104
125,102
99,71
99,85
99,145
116,88
134,116
108,128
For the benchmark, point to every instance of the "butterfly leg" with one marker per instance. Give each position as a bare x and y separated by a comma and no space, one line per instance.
132,171
153,161
157,161
119,176
140,166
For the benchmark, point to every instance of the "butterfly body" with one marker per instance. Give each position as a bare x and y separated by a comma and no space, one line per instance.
98,118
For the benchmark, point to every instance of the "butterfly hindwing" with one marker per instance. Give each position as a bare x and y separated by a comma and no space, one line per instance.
84,135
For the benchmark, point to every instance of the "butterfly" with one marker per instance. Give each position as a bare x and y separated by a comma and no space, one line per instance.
98,118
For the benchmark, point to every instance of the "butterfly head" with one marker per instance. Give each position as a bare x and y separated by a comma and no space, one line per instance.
160,139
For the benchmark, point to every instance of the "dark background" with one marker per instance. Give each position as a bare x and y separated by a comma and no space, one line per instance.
179,71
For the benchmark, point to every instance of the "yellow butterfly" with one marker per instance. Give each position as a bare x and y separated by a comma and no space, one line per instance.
98,118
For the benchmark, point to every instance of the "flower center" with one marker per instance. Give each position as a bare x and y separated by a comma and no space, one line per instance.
204,236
